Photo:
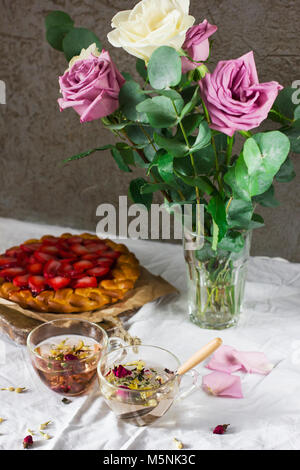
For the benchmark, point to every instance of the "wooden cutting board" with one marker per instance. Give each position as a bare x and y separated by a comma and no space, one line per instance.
17,327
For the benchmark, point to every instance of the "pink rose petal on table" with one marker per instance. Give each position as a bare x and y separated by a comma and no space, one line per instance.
228,359
224,360
222,385
254,362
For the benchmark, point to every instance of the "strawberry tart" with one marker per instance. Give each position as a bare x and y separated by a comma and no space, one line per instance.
67,274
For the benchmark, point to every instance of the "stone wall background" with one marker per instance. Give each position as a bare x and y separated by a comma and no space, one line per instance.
35,137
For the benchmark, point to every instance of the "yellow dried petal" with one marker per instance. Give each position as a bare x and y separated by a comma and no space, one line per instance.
11,389
20,389
45,435
30,431
178,443
44,425
80,345
1,420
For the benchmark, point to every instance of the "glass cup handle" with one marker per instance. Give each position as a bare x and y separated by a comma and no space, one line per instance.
195,385
114,342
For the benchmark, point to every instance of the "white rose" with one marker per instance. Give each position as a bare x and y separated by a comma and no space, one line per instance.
151,24
85,54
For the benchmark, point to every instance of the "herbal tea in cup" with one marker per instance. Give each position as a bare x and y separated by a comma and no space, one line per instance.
139,383
65,354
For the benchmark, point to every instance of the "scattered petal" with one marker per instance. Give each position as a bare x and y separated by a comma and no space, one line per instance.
45,435
66,401
20,389
30,431
178,443
120,371
223,360
44,425
27,442
70,357
254,362
1,420
223,385
11,389
221,429
228,359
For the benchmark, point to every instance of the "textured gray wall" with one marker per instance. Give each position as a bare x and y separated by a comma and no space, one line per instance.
35,137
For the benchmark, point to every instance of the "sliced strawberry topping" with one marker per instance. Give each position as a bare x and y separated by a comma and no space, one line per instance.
35,268
66,269
86,281
79,249
7,262
112,254
37,284
58,282
21,281
83,265
53,241
42,257
105,262
90,256
98,271
30,247
74,239
50,250
97,247
66,254
51,268
10,273
15,251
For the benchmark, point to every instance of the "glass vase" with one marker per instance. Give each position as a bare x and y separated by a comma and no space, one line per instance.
215,282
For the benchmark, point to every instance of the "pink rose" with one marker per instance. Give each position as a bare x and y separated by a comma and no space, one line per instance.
234,97
196,44
91,86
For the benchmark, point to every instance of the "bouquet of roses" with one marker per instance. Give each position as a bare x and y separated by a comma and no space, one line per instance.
180,120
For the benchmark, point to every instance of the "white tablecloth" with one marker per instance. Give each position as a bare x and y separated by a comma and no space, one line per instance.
267,418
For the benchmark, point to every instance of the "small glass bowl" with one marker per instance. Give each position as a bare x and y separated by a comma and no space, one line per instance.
74,377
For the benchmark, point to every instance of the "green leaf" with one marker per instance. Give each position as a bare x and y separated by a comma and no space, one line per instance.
130,96
58,18
256,222
141,68
283,109
175,147
216,208
135,193
87,153
78,39
239,214
286,172
190,124
160,111
165,168
56,34
201,182
238,179
297,113
120,160
191,104
164,68
137,136
293,133
203,137
264,154
149,188
267,199
233,242
215,239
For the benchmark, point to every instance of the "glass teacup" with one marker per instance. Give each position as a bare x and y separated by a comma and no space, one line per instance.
65,354
141,406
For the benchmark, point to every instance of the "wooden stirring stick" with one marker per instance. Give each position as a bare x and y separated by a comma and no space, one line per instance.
199,356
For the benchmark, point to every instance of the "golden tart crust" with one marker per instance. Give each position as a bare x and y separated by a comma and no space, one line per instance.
123,276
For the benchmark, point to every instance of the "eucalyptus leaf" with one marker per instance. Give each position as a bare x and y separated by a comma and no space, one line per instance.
283,108
87,153
160,111
141,68
267,199
149,188
233,242
175,147
164,68
293,133
56,34
239,214
286,172
78,39
120,161
135,193
203,137
58,18
130,96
